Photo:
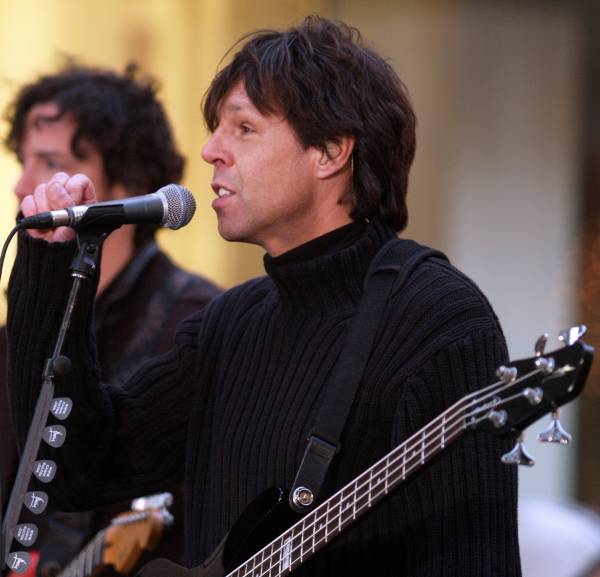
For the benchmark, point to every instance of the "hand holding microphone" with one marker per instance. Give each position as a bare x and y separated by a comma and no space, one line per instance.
60,191
172,206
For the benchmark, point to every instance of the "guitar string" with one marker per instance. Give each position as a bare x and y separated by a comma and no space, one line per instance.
392,459
357,509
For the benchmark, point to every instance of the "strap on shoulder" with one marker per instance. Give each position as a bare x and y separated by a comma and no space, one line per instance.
390,268
401,256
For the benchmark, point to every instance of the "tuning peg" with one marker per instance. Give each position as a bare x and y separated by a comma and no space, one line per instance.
545,364
156,501
571,335
555,432
507,374
518,455
540,345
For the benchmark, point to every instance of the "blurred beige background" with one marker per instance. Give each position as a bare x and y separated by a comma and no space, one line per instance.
181,43
497,87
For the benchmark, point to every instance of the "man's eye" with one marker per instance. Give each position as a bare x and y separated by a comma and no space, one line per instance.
245,129
53,164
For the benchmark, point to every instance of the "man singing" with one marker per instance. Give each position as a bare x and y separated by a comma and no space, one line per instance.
312,140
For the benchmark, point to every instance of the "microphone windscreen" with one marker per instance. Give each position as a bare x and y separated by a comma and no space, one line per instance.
181,205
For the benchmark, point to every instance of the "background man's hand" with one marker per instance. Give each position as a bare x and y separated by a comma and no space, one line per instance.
61,191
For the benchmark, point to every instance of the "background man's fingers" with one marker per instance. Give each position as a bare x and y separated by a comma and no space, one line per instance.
81,187
40,198
28,206
57,194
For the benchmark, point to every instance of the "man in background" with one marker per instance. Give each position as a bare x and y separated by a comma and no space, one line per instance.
111,126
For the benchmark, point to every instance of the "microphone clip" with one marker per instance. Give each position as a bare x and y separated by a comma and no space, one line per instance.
86,261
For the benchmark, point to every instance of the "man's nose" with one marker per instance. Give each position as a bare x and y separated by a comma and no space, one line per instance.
215,150
25,184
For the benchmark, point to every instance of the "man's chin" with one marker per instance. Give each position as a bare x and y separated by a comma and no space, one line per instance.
234,234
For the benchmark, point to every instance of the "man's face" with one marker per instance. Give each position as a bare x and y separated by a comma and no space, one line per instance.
265,181
46,150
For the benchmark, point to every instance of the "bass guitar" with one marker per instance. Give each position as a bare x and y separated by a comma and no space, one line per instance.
270,540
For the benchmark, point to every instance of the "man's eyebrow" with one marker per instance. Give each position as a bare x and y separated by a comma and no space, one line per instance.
41,119
43,155
236,107
49,153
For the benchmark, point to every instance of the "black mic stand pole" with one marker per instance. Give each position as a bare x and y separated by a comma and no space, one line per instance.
83,268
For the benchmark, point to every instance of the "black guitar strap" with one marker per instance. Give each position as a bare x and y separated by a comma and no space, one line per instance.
387,273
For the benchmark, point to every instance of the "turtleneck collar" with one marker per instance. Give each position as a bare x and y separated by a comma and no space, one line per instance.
327,273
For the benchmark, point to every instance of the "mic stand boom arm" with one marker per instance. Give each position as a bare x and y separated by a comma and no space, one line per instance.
83,268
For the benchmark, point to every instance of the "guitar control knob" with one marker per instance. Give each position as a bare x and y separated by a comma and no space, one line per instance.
518,455
555,432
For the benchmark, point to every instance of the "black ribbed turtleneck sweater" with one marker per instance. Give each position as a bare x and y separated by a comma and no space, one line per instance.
230,406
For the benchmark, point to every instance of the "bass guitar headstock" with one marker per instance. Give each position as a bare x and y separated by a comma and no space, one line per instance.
530,388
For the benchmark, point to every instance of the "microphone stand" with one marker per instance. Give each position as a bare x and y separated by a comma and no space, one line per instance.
83,268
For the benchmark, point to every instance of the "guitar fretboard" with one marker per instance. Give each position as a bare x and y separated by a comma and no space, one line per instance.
92,555
87,560
321,525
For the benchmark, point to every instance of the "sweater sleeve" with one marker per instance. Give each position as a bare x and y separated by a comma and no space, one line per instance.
457,515
111,453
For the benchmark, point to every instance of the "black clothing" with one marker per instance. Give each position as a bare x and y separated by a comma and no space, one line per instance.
135,319
230,406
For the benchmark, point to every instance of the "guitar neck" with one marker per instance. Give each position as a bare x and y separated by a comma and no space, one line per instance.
89,558
325,522
111,546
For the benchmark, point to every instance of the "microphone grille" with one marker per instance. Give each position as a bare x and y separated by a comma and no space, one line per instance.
181,205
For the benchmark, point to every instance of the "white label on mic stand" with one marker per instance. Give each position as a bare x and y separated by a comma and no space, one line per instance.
55,435
36,501
26,534
44,470
61,407
18,562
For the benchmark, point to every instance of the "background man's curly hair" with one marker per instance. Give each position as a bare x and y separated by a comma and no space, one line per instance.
322,78
118,114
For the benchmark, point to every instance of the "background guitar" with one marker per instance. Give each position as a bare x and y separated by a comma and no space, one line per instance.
121,544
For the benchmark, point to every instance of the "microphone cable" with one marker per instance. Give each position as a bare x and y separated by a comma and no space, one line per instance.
12,233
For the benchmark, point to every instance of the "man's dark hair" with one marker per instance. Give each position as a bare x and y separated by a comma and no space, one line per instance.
118,114
327,84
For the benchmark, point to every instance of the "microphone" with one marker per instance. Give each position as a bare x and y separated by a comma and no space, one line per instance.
171,206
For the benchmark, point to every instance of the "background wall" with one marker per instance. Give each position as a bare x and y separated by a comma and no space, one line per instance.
495,182
497,90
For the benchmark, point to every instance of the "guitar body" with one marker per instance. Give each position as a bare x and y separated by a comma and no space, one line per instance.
265,518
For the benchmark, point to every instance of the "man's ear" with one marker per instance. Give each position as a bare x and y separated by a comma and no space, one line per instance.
335,156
